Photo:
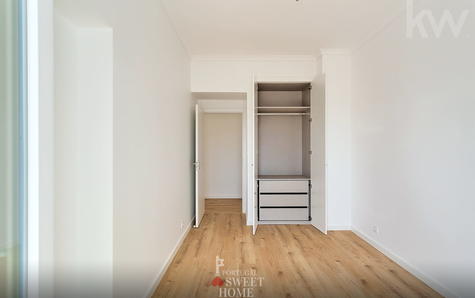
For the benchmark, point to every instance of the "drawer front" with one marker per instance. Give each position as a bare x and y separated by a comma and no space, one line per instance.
283,214
283,200
284,186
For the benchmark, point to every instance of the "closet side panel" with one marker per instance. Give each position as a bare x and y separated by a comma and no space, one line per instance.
306,135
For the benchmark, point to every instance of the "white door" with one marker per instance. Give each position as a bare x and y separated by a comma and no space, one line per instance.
199,197
256,159
318,160
251,157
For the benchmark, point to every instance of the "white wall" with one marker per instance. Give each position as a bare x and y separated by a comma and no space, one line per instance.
152,137
153,145
413,144
234,74
222,166
222,106
83,160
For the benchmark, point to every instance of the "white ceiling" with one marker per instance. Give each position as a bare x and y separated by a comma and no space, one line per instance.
276,27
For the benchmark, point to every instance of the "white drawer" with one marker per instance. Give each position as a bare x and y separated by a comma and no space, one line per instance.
283,200
283,214
284,186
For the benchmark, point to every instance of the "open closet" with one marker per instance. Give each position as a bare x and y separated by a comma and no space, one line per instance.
289,147
283,152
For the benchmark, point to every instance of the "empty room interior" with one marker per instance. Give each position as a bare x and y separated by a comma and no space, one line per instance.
238,148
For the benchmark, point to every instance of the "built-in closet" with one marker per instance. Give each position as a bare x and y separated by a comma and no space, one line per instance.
283,151
284,145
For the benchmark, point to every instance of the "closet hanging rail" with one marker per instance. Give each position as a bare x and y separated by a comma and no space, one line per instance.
284,109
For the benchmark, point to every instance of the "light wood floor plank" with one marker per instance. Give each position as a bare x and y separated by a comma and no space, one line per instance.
294,260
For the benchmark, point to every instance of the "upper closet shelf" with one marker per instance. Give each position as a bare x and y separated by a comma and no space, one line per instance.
294,109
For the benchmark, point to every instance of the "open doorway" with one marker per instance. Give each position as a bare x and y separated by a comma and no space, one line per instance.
220,161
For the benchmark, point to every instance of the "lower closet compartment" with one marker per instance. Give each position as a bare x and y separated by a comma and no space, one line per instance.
276,184
291,200
284,198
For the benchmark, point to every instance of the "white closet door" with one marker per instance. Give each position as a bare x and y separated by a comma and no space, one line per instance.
256,159
318,160
199,191
251,156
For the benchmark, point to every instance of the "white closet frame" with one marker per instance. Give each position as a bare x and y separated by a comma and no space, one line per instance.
251,140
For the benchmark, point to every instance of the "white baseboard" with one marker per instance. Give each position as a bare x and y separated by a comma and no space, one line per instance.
285,222
169,260
330,228
339,228
404,264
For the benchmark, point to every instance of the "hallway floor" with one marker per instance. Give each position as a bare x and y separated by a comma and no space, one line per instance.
280,261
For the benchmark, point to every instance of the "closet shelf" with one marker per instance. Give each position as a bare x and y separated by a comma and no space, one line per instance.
274,109
283,114
282,177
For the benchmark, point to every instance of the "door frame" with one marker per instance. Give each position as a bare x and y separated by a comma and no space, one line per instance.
228,106
40,151
33,147
197,166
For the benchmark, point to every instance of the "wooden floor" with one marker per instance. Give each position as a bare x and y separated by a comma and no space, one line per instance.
289,260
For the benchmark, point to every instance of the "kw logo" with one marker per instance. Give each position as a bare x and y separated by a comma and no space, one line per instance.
414,22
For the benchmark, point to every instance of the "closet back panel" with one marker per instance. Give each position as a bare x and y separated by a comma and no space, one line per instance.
280,98
280,145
